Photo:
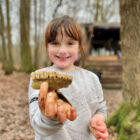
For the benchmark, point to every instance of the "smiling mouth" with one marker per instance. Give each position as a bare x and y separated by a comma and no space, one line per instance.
62,57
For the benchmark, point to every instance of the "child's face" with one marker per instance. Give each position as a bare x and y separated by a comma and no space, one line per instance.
63,52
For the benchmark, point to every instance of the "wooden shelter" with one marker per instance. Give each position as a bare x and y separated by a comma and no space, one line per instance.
104,52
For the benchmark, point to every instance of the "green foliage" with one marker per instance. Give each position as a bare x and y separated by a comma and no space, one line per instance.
138,112
117,118
126,121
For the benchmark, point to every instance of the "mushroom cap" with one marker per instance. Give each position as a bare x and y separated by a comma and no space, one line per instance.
55,80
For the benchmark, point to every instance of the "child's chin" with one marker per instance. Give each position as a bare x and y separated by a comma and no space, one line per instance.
63,66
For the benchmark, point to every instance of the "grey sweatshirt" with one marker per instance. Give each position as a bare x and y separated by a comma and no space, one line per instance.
85,94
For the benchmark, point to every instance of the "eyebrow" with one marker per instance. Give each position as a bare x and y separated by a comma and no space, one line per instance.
71,39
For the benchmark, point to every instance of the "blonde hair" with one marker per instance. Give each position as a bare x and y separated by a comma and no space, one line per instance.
70,27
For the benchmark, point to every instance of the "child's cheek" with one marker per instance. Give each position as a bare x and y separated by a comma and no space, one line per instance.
51,55
75,57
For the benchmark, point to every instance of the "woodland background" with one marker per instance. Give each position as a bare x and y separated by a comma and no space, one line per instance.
22,50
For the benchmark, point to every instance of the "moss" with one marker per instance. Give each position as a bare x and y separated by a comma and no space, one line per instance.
126,121
117,118
138,112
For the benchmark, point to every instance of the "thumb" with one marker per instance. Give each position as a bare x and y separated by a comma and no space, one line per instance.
42,96
44,88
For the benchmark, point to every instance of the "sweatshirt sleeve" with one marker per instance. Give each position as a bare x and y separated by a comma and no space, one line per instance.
101,108
41,124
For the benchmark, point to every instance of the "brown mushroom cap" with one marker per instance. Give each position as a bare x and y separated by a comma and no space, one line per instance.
55,80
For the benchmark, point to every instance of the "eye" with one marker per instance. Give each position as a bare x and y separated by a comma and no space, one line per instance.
70,43
55,43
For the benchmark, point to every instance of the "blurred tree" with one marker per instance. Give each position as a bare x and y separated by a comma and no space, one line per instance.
56,8
97,10
127,118
130,45
2,28
39,23
42,13
36,39
89,11
10,60
26,62
7,68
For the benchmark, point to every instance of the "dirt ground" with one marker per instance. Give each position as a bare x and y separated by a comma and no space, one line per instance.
14,117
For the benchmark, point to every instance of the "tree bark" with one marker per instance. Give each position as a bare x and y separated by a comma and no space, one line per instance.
36,39
6,67
56,9
126,119
26,62
97,10
9,36
130,46
2,27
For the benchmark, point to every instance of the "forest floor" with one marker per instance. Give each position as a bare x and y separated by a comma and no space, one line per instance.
14,112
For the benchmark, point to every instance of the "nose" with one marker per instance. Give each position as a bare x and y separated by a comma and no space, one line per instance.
62,49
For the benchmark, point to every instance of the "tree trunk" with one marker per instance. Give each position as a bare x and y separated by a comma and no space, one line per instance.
130,46
127,118
97,10
36,39
26,62
38,26
56,9
2,30
2,34
9,37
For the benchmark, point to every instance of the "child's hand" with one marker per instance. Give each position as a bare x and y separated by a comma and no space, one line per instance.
65,111
98,127
52,107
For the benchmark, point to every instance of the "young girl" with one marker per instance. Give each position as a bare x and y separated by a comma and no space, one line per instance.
86,119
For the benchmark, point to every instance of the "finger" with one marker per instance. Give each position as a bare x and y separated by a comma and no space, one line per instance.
61,115
51,105
44,88
102,135
69,114
42,96
68,110
95,122
93,131
73,114
101,128
99,125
